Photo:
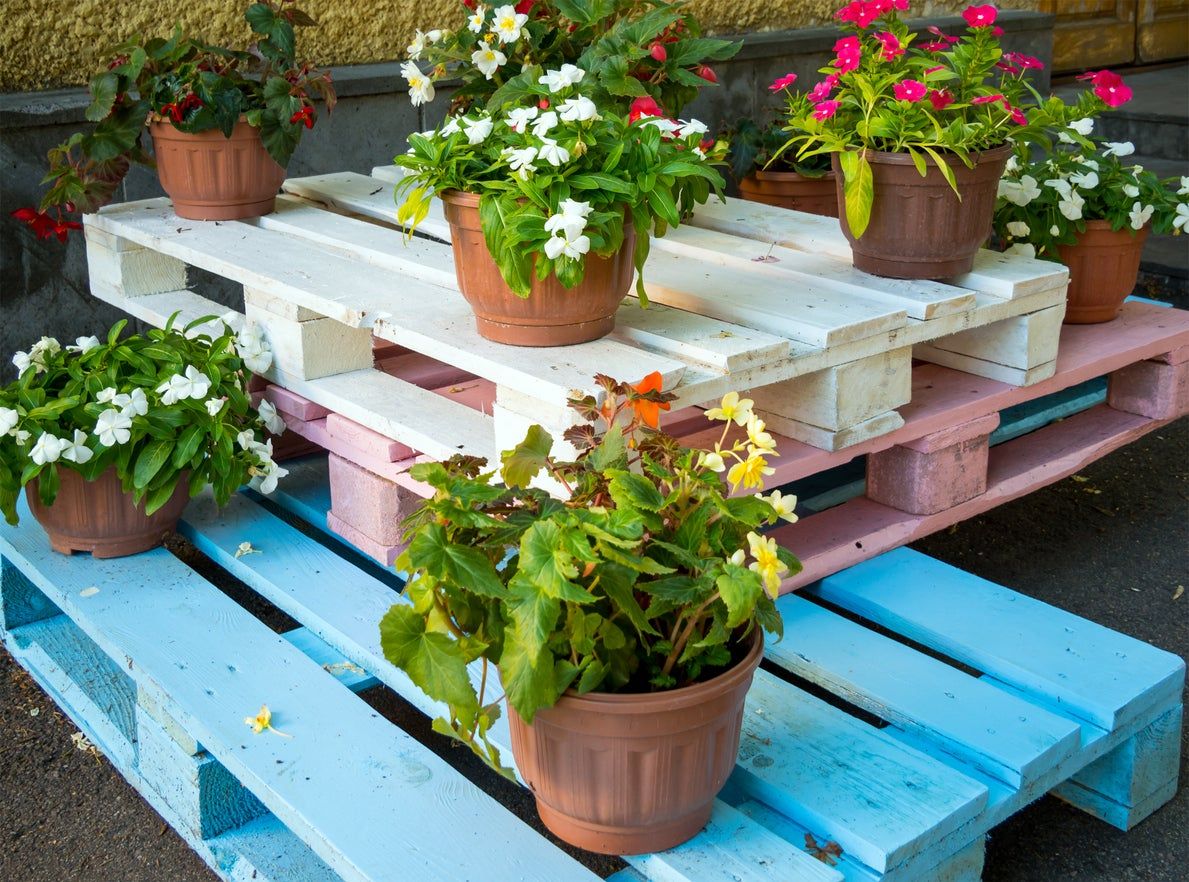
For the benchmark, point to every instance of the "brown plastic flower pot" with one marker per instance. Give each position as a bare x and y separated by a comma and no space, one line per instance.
1103,267
635,773
552,315
791,190
99,517
919,228
210,177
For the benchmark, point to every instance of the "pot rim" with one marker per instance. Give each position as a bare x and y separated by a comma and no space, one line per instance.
609,702
155,120
890,158
761,175
1102,224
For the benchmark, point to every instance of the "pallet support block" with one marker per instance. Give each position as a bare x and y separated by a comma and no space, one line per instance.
1154,389
118,268
843,405
21,602
369,504
1020,350
309,348
1133,780
935,472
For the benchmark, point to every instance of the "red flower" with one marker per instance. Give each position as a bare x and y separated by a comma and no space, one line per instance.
45,226
987,99
946,38
1017,116
1027,62
891,45
644,106
707,73
649,411
543,104
909,90
658,52
935,46
980,16
524,7
849,50
304,116
825,109
822,90
1008,66
782,82
996,31
1108,86
941,98
934,69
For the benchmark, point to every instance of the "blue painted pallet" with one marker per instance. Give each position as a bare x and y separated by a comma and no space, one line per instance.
159,667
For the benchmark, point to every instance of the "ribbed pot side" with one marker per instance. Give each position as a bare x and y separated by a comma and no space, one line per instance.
919,229
552,315
1103,268
791,190
631,774
210,177
99,517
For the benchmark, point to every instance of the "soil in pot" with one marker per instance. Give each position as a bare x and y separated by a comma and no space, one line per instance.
919,229
790,190
210,177
552,315
634,773
99,517
1103,268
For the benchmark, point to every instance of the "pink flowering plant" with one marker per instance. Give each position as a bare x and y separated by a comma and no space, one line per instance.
161,408
1045,202
560,176
759,146
939,98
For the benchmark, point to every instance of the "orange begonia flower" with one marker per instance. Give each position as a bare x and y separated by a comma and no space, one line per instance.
649,411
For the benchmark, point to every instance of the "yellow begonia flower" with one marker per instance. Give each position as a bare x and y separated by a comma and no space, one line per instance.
767,563
758,437
262,721
750,473
782,505
712,460
732,407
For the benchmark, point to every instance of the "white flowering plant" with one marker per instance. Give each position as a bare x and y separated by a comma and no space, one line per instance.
159,408
1045,202
651,576
560,177
633,49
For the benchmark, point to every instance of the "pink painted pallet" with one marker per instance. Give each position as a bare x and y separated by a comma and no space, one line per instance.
936,470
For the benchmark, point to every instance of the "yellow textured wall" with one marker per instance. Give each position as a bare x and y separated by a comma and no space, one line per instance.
52,43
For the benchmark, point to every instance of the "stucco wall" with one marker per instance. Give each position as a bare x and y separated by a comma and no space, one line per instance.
55,43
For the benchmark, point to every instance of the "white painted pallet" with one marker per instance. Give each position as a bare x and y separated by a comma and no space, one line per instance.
805,332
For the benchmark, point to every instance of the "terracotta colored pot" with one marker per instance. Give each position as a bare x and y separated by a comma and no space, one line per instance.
99,517
210,177
919,229
791,190
629,774
1103,267
552,315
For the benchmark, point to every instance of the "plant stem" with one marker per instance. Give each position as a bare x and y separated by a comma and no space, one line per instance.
675,653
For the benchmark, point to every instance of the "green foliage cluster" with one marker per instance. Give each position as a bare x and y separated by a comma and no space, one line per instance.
635,582
159,408
760,147
197,88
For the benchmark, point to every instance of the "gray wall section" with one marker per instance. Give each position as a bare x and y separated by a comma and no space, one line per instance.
43,284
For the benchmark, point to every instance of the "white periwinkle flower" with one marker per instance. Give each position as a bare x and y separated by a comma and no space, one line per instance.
1085,180
46,346
518,118
22,360
506,22
106,396
214,405
8,420
421,90
133,404
567,75
578,109
477,130
1140,215
570,218
1181,218
1130,191
1082,126
488,60
1054,230
544,123
83,345
1184,189
47,449
253,349
570,246
265,478
1018,229
521,160
1118,148
692,127
76,450
1025,249
553,153
1071,205
246,439
452,127
113,428
1019,192
270,419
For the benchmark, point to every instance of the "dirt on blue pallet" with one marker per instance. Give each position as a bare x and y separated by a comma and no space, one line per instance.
67,815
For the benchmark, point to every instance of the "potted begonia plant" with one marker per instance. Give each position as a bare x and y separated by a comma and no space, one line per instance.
110,438
766,172
625,620
223,122
1083,206
919,133
647,51
551,200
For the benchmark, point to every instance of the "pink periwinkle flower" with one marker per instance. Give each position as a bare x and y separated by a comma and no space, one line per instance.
783,82
941,98
1027,62
1017,116
980,16
909,90
1108,86
987,99
849,50
825,109
891,45
822,90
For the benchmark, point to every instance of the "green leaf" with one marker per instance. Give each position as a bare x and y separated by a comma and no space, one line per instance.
529,680
618,584
858,190
103,95
534,614
740,588
151,458
547,564
634,491
460,565
592,677
157,497
610,450
188,445
433,661
599,181
524,461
